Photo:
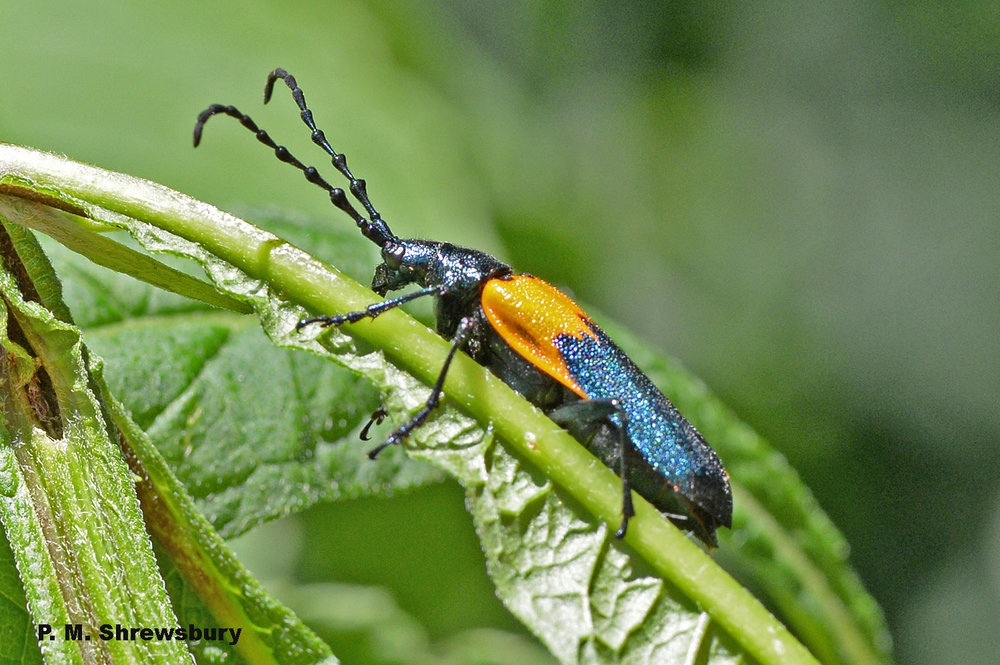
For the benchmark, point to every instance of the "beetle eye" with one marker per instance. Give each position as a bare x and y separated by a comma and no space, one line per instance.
392,254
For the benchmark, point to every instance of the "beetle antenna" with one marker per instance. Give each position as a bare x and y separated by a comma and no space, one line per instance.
358,186
376,230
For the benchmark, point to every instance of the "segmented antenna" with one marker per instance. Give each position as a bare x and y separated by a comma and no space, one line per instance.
376,229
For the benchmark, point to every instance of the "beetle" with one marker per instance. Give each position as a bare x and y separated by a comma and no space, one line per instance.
535,339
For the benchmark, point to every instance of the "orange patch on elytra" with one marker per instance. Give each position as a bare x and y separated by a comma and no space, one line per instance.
529,314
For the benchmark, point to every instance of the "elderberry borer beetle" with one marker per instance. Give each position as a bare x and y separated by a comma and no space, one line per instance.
537,340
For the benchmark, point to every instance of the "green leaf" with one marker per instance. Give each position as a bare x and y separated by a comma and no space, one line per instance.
212,588
17,632
67,503
533,499
89,560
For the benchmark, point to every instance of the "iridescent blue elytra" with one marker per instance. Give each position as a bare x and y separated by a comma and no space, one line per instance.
536,340
672,466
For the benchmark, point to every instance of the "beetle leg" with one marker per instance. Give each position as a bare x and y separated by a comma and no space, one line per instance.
589,413
465,327
371,311
376,419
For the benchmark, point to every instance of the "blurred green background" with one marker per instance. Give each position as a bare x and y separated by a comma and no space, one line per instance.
798,200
